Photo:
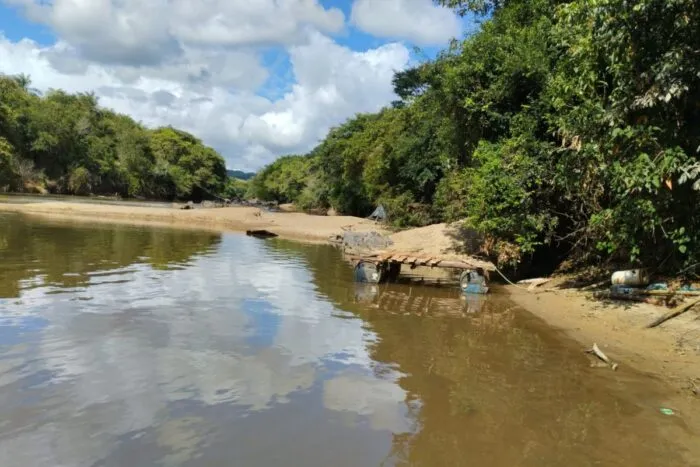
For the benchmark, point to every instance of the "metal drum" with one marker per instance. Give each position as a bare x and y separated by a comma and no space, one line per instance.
633,278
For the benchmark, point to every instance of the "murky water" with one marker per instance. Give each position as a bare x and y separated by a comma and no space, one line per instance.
130,346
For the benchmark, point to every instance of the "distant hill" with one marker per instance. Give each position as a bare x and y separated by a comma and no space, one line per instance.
240,174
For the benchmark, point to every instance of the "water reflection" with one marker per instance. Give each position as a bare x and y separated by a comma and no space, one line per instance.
67,255
408,300
139,346
139,359
488,384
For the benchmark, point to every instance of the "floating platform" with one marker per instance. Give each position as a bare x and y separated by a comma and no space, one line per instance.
386,267
423,260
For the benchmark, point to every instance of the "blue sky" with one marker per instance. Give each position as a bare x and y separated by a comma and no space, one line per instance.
15,27
277,76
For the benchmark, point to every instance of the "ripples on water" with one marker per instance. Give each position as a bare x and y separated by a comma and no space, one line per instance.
138,346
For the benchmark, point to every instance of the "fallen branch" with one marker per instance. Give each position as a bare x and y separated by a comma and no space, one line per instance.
599,353
538,280
687,293
673,313
595,285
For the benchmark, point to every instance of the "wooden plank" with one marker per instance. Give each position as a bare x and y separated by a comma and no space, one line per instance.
419,260
455,264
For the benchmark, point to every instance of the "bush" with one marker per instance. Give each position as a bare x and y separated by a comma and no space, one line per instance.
8,177
80,181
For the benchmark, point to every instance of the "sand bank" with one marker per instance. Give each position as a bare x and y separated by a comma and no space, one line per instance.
435,240
289,225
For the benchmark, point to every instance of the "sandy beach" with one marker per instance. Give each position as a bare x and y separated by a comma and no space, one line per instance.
291,225
619,328
434,240
670,352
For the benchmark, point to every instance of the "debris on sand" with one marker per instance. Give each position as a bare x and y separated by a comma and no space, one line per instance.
595,350
534,283
673,313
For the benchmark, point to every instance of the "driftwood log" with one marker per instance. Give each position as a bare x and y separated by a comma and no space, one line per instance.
260,233
679,310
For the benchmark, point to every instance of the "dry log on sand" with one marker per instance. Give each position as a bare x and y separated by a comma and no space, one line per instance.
679,310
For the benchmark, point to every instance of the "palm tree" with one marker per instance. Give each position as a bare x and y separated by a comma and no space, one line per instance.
25,81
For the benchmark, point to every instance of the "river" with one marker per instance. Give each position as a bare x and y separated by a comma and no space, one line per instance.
133,346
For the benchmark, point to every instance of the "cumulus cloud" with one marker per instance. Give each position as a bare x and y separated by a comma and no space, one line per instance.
419,21
138,32
198,65
333,83
213,93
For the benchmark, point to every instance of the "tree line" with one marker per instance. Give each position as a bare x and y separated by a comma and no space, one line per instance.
560,128
66,144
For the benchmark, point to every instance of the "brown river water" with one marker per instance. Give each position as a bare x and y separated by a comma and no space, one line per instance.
139,346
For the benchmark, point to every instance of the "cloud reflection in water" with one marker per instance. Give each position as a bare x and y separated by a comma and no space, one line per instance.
238,327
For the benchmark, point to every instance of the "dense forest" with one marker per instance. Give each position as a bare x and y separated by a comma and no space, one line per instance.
566,129
67,144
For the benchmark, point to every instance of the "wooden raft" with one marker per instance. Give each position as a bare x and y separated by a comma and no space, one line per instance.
420,260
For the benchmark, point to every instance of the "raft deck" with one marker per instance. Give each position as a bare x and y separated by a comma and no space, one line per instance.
414,260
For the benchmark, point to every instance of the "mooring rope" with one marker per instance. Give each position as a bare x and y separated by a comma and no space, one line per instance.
508,280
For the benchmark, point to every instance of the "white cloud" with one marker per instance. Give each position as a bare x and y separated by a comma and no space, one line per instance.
174,67
333,83
420,21
212,93
138,32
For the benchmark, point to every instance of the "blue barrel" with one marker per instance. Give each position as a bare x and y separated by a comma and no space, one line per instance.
473,283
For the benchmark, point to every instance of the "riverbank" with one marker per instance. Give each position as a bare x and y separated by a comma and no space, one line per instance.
671,351
296,226
439,240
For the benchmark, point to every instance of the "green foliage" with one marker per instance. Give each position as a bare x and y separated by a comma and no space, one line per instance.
192,169
240,174
67,142
471,6
507,197
558,127
235,189
315,195
80,181
8,177
625,106
282,181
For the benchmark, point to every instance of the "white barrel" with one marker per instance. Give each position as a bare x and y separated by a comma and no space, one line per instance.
632,277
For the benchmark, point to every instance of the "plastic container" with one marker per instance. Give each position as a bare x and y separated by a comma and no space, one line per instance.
473,283
631,278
